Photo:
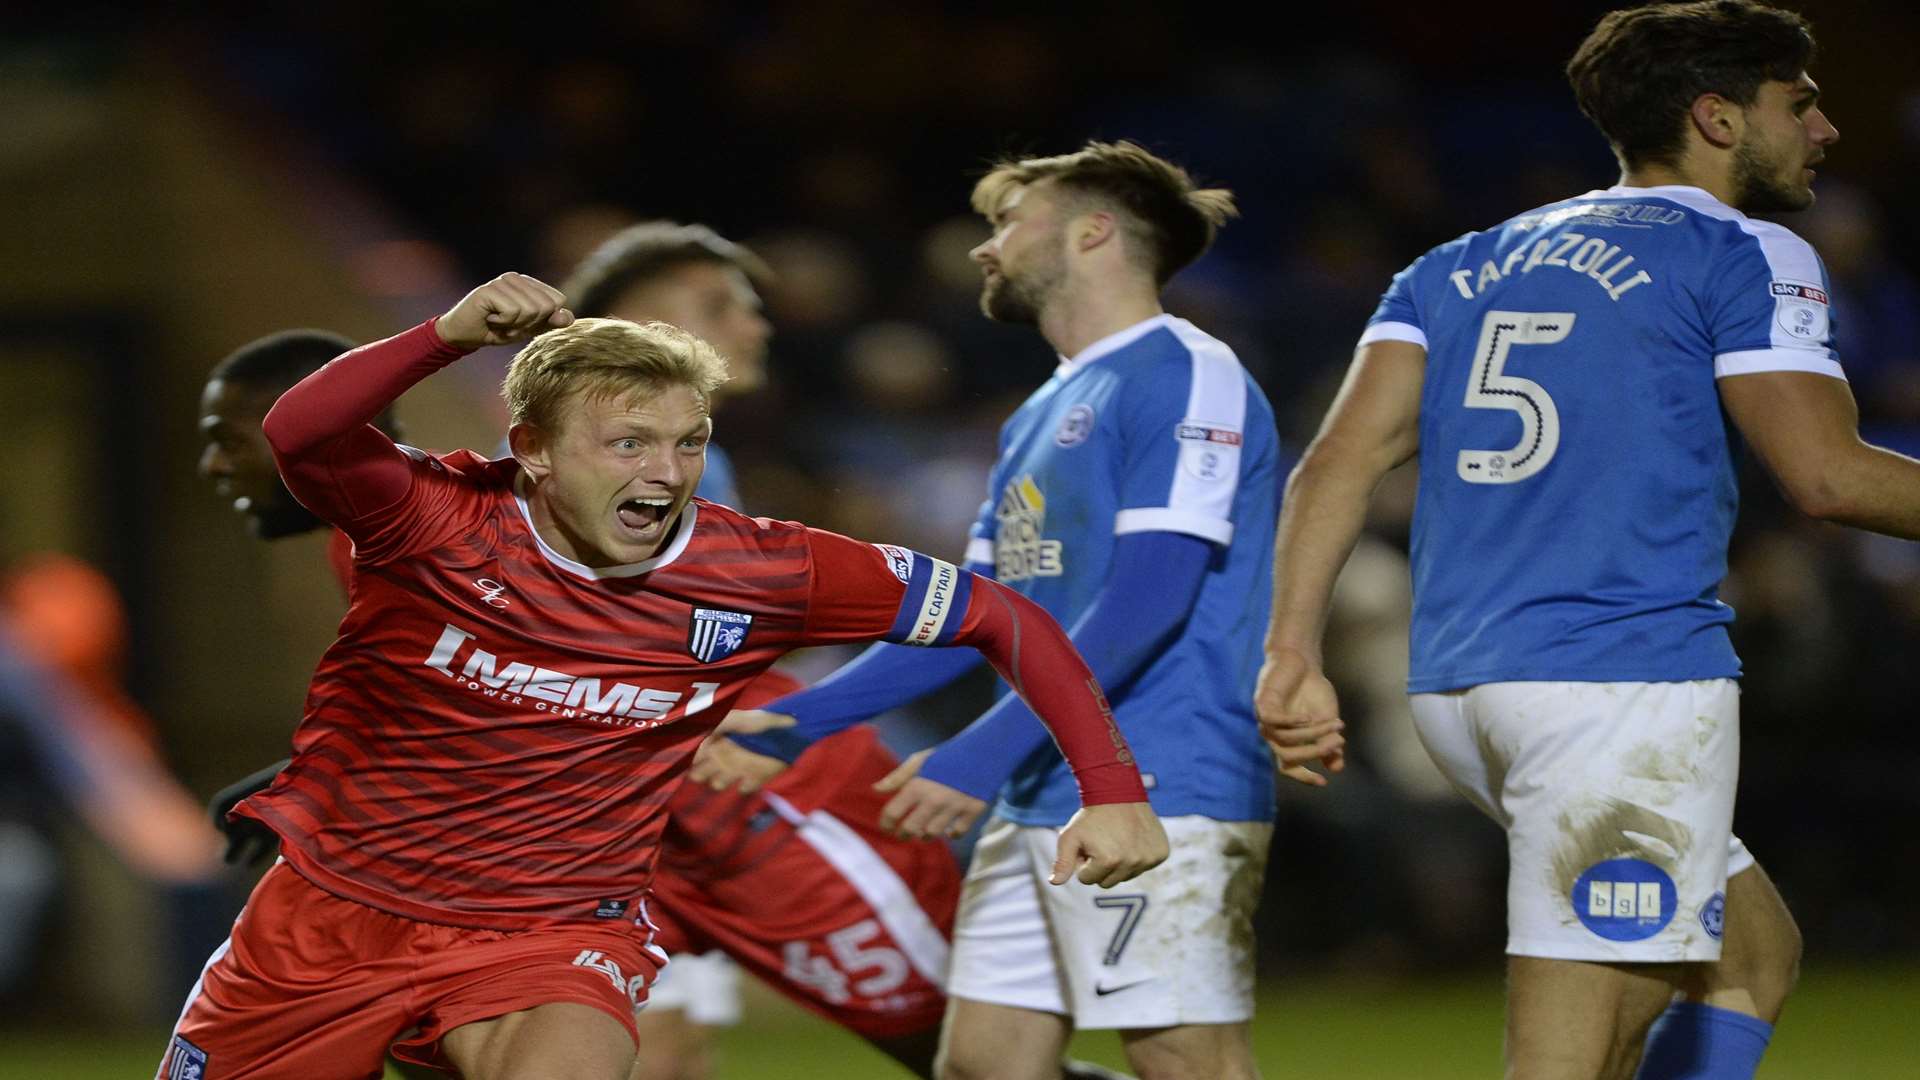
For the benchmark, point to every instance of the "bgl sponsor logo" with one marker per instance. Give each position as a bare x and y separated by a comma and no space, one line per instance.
1624,899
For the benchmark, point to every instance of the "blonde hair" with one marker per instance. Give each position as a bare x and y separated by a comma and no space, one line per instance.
1173,220
603,358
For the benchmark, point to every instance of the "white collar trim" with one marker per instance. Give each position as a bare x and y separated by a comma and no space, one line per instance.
1686,193
683,535
1114,342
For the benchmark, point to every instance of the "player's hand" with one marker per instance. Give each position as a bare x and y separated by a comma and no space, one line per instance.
721,763
510,308
752,722
1109,844
1300,717
925,809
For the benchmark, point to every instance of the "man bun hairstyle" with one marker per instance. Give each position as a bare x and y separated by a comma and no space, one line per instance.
1640,71
591,359
1168,216
640,253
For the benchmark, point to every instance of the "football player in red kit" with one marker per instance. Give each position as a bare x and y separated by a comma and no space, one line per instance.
476,796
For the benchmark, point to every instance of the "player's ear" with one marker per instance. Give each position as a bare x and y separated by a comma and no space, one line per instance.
1717,120
1094,228
531,448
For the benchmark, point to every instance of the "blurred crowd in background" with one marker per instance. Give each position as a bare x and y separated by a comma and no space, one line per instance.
358,166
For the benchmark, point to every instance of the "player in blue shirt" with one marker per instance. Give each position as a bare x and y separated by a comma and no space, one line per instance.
1567,380
1134,498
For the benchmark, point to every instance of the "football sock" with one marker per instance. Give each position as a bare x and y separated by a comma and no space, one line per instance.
1691,1041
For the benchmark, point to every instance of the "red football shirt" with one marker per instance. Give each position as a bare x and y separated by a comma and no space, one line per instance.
494,736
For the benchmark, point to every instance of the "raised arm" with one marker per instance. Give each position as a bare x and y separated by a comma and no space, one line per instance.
333,459
1373,426
1806,430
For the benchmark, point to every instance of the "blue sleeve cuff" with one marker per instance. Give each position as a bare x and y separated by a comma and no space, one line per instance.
883,677
783,743
1155,579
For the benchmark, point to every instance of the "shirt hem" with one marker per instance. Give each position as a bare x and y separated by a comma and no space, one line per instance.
1433,684
303,863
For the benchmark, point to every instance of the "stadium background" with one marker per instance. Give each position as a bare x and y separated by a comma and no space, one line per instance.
175,185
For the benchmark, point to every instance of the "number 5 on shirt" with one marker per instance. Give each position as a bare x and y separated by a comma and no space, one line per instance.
1489,388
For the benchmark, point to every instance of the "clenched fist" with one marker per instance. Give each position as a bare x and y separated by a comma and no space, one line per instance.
510,308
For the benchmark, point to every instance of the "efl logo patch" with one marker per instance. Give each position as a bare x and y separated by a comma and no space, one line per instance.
1202,433
1624,899
610,909
899,560
1075,427
1713,916
1800,309
715,635
185,1061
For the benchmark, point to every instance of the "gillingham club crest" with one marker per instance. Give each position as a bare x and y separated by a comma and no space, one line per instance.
715,635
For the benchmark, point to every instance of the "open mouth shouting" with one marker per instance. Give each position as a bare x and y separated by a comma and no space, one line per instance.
645,516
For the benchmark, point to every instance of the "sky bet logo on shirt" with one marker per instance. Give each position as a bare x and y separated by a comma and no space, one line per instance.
1800,309
1019,550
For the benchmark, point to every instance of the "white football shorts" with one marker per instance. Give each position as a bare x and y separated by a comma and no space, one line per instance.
706,985
1617,799
1172,946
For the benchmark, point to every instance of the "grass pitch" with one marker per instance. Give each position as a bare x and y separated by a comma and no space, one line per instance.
1859,1024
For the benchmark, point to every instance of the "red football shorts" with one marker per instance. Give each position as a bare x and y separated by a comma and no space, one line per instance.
846,921
315,987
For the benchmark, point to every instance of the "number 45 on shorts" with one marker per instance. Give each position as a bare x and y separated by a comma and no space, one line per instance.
857,966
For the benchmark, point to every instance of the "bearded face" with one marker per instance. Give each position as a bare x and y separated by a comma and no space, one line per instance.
1024,264
1786,134
1770,179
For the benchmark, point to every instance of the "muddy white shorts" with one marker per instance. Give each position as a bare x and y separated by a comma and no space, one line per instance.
1617,799
1172,946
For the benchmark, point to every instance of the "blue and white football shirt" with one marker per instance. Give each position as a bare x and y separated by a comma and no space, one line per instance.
1577,484
717,483
1157,427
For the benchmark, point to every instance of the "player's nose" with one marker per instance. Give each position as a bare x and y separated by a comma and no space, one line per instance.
983,252
214,464
1822,129
664,470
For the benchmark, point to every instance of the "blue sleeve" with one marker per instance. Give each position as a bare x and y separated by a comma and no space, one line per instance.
1155,579
1767,307
1183,429
1398,314
717,484
883,677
